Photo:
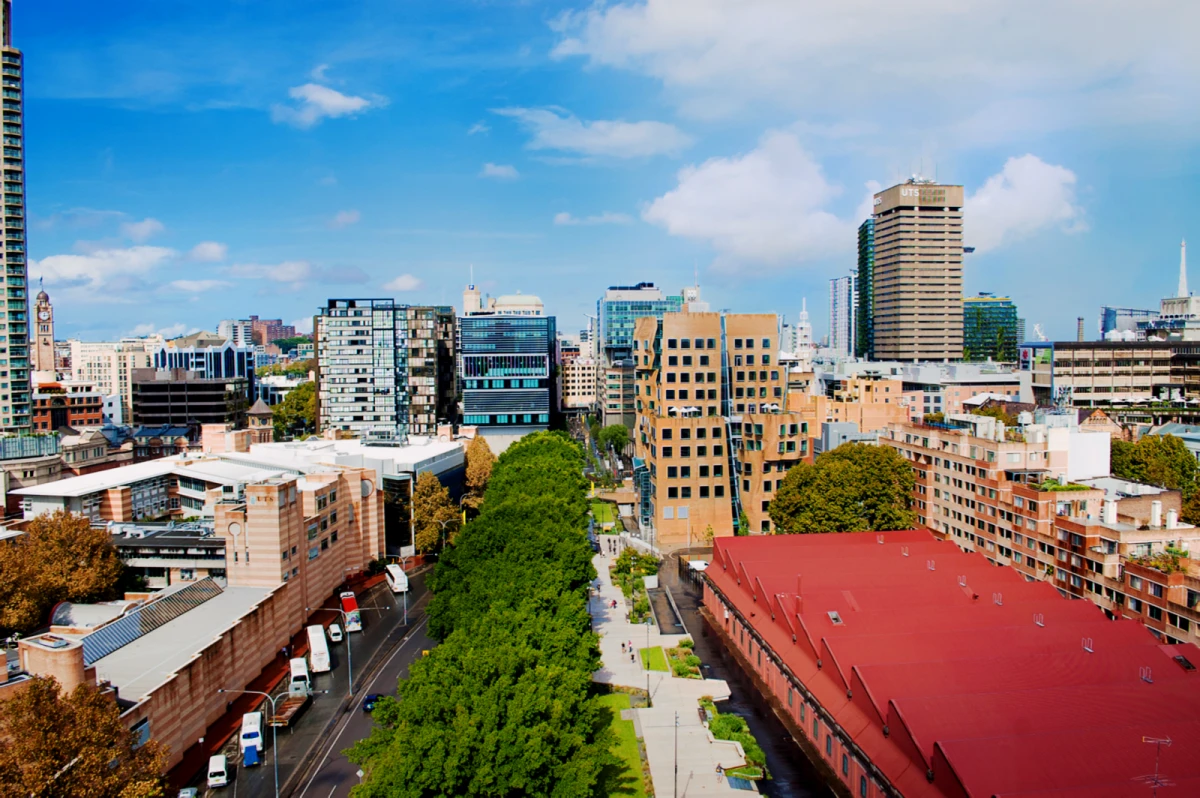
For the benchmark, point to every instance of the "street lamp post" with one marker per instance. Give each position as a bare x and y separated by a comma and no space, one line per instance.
648,701
443,523
274,745
346,636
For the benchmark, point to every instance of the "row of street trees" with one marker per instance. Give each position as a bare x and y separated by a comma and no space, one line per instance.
436,518
504,706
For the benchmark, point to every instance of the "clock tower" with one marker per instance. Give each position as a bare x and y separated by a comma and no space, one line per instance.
43,348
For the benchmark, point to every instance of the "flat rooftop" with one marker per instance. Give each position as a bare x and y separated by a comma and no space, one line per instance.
208,469
420,454
137,668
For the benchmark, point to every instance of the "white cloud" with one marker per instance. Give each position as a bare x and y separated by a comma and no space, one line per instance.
100,268
140,232
1028,195
198,286
208,252
555,129
767,205
315,102
478,128
405,282
303,325
607,217
932,61
172,331
318,72
294,274
343,219
500,171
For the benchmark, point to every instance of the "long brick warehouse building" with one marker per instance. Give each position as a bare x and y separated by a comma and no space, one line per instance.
905,666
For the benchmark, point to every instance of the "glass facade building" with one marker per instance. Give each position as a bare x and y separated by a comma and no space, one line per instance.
507,370
14,332
864,343
990,328
618,310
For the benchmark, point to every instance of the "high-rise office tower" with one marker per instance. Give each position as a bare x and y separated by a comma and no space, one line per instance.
384,370
866,290
990,328
918,272
616,313
14,363
843,303
1020,331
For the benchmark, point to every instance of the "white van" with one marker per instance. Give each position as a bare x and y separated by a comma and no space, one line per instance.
335,633
251,736
218,773
300,684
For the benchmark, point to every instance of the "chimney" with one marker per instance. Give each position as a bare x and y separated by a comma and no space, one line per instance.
1155,514
1109,515
1172,519
1079,328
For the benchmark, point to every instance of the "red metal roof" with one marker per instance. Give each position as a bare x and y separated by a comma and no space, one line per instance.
980,676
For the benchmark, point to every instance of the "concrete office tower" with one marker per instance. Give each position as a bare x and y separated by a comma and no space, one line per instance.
43,349
843,303
1079,328
1020,331
864,345
14,376
918,272
238,332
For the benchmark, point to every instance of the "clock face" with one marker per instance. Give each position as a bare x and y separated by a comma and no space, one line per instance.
44,315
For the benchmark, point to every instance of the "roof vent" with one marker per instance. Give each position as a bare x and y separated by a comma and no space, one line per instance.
1184,663
929,564
1039,619
837,619
1144,672
1087,645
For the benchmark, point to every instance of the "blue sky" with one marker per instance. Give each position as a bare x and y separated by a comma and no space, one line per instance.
192,161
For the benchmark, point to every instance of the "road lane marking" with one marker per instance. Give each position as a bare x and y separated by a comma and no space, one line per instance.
346,720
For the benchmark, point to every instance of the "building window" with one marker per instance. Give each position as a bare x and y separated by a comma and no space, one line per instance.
845,765
862,786
828,745
187,574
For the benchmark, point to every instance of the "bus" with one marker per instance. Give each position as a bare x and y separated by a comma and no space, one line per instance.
353,616
397,579
318,650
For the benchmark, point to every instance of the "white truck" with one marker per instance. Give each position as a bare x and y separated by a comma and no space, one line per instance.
318,649
250,741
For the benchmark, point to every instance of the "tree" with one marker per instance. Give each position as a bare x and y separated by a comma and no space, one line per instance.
61,557
479,470
854,488
297,368
290,343
435,519
709,534
615,437
74,744
935,418
1161,460
504,706
297,413
998,412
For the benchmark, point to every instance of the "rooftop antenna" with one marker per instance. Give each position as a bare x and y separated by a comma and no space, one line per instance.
1156,780
472,267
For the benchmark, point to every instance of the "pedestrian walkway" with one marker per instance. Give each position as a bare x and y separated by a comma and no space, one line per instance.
683,756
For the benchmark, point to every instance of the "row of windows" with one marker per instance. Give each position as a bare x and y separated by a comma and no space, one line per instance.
685,472
685,492
686,451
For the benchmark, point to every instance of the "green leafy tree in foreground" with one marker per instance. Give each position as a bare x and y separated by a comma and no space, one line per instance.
854,488
1161,460
615,437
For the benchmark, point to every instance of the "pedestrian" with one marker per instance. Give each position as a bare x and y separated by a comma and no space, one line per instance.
720,772
622,646
631,656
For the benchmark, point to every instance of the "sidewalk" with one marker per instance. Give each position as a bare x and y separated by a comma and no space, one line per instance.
674,701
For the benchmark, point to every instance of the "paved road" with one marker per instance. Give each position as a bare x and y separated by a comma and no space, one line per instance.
335,774
384,629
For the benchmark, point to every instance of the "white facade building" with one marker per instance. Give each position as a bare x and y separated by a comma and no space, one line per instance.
843,301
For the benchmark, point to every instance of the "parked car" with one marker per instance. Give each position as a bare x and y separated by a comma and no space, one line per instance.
335,633
188,792
370,701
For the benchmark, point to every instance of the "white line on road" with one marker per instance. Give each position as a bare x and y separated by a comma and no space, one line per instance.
346,720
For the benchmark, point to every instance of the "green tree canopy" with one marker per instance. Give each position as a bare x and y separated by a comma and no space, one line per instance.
61,557
614,436
997,412
45,731
854,488
435,518
1161,460
297,413
504,706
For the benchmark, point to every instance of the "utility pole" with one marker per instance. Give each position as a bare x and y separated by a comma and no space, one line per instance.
675,791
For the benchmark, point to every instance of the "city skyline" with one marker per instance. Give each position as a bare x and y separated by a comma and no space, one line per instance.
232,159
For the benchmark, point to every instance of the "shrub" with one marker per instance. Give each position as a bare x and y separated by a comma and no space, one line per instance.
680,668
692,661
687,642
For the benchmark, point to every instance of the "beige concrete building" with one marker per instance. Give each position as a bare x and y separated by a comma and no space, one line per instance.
918,272
109,365
577,380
